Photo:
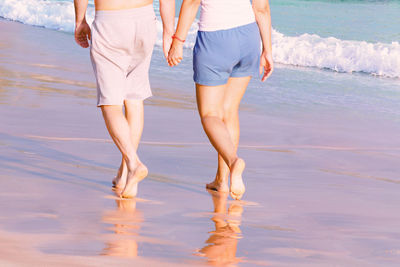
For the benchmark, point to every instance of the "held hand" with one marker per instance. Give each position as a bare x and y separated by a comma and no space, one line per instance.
266,65
82,34
175,53
167,41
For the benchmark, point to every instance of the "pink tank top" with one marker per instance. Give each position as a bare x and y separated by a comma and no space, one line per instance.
225,14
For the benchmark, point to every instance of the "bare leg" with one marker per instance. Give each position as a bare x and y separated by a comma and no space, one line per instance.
119,130
119,181
210,101
210,105
134,116
234,92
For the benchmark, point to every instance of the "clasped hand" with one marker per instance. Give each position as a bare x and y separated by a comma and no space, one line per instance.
175,53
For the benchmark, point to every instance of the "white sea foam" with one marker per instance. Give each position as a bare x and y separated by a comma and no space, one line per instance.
338,55
57,15
304,50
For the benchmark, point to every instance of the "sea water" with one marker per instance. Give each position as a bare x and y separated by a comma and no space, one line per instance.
339,56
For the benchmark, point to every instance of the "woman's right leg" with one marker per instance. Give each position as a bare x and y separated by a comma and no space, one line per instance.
210,101
234,91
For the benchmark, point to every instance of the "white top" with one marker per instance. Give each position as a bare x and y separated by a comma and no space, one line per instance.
225,14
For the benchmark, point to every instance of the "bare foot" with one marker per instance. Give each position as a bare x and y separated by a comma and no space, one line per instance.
218,185
133,178
119,181
237,187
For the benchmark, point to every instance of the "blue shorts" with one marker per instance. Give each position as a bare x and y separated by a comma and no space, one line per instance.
218,55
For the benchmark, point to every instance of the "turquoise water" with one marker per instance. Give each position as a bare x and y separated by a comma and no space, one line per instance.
371,21
343,36
331,56
321,94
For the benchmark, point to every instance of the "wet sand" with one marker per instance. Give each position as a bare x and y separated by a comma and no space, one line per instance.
318,194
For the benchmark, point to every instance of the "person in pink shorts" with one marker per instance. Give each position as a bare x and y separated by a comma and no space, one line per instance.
121,42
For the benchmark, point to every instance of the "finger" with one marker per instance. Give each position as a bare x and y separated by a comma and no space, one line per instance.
84,43
170,62
264,77
169,59
175,62
76,39
267,73
82,38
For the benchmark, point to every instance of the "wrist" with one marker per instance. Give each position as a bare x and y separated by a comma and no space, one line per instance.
267,51
176,43
80,21
168,32
177,38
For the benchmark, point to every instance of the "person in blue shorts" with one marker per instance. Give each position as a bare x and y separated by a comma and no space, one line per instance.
233,44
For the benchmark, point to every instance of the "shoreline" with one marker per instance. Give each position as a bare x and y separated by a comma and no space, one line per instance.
319,192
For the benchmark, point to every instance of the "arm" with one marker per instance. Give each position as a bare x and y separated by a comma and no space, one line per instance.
186,17
263,18
82,29
167,12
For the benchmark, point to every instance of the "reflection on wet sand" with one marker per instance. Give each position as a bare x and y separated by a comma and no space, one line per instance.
221,246
125,221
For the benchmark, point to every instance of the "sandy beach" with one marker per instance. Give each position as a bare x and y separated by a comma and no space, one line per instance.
322,187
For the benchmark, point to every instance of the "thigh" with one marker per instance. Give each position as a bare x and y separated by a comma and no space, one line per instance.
234,91
210,100
133,108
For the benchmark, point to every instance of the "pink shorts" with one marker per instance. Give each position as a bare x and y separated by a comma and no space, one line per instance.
121,48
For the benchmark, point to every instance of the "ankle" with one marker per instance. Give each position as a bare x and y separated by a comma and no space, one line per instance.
131,162
221,177
232,162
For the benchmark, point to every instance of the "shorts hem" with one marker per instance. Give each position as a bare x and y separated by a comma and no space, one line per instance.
105,103
109,104
211,82
242,74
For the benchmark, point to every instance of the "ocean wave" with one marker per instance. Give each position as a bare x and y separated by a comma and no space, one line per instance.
310,50
56,15
305,50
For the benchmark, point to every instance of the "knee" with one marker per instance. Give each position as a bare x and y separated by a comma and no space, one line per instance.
212,114
230,113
